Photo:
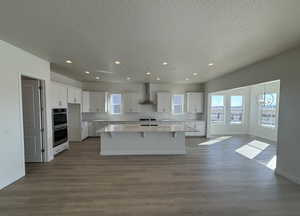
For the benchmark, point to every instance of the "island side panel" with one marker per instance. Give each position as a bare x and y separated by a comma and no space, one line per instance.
148,143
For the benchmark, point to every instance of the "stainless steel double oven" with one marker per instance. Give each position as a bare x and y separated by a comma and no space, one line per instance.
60,126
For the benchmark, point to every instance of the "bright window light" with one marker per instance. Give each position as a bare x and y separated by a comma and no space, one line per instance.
116,103
217,114
178,104
214,141
236,109
268,109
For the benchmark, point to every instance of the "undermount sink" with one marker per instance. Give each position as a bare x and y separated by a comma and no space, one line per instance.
149,125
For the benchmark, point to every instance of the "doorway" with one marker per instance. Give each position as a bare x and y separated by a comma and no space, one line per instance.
33,102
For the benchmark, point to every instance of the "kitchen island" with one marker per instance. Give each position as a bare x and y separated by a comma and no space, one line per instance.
143,139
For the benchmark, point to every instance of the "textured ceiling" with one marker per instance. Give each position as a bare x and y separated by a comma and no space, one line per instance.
188,34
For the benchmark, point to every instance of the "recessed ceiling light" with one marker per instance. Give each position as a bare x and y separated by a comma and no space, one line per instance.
69,62
97,78
148,73
87,72
157,78
165,63
117,62
211,64
195,74
128,78
187,79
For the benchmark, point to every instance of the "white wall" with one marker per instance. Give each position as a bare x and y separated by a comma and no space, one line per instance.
15,62
284,67
227,128
255,128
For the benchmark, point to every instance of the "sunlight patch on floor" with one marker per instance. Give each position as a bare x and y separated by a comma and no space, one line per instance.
248,151
214,141
252,149
258,144
272,163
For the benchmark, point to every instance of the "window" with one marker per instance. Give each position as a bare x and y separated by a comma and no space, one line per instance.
115,103
178,104
268,109
236,109
217,114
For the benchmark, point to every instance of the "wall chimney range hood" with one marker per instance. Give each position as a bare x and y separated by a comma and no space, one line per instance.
147,100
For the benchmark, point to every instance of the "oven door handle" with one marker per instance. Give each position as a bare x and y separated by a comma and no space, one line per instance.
60,127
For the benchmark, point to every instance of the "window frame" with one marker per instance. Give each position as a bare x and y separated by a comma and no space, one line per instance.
243,109
224,110
182,105
260,112
111,104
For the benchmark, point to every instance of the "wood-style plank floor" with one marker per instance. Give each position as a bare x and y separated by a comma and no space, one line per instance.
209,180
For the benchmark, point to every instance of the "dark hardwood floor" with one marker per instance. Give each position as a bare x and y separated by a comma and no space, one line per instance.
208,180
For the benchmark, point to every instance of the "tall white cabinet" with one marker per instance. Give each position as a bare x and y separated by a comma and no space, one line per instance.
194,102
164,102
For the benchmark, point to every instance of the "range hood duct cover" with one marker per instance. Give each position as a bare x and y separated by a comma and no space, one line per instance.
147,100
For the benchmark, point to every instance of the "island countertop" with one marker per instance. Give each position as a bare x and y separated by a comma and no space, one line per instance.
111,128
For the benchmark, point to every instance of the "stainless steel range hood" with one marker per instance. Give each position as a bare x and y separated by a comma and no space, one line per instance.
147,100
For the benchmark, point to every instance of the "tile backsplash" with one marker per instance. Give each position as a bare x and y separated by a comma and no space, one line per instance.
137,116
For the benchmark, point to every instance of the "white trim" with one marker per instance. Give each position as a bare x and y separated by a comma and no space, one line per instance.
45,125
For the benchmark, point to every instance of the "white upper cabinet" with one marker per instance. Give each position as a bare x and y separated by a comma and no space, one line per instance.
85,101
98,101
58,94
130,102
164,102
194,102
74,95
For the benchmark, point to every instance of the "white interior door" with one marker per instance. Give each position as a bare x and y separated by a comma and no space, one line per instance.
32,120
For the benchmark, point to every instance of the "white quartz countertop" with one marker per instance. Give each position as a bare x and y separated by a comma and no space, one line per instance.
138,128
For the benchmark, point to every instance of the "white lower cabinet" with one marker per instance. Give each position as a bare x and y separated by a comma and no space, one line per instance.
199,126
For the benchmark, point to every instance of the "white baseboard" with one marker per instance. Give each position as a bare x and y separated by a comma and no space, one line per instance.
287,175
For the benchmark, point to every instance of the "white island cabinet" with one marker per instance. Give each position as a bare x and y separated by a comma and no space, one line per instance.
135,139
